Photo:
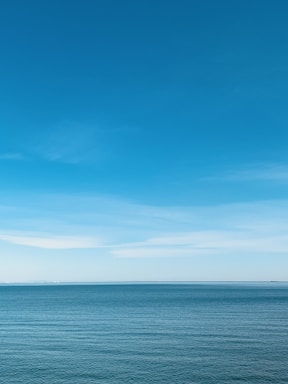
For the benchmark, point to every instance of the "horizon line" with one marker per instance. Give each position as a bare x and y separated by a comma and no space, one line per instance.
132,282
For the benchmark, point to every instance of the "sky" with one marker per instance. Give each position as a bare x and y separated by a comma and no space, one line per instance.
143,140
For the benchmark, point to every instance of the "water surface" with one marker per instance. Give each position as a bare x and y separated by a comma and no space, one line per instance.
161,333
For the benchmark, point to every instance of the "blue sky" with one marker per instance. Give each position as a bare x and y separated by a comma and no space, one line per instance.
143,140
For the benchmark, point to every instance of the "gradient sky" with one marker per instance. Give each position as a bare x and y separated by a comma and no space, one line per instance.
143,140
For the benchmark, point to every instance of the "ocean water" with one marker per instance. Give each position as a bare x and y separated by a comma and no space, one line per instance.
161,333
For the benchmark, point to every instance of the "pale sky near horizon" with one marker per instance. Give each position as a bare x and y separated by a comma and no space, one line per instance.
143,140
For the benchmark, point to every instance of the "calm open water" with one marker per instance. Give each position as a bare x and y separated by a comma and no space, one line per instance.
176,334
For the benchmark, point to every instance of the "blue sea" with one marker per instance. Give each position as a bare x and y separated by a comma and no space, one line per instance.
144,333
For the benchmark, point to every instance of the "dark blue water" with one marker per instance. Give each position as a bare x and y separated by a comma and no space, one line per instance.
198,333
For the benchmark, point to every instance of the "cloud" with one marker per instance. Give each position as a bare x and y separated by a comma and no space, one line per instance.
264,172
206,242
11,156
136,253
72,142
51,242
121,228
76,143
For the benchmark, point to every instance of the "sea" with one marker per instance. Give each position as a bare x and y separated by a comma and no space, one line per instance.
144,333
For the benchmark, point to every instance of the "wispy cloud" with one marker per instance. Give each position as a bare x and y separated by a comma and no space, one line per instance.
264,172
12,156
70,143
206,242
77,143
124,229
162,252
51,242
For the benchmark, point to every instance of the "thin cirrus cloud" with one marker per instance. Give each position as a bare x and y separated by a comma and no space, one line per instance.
50,242
163,252
12,156
74,143
206,242
124,229
80,143
66,143
270,172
